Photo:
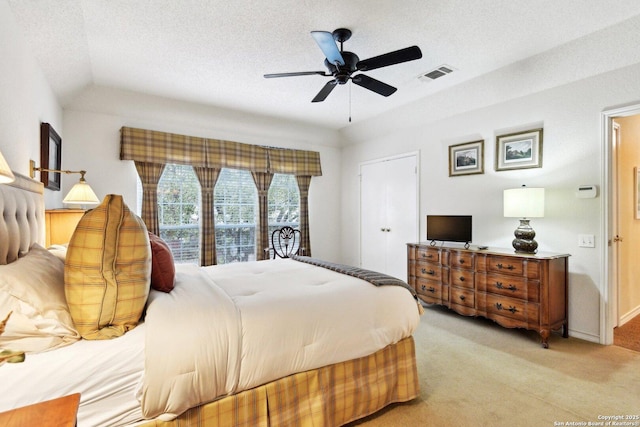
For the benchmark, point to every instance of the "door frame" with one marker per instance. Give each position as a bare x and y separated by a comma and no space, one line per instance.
415,154
609,276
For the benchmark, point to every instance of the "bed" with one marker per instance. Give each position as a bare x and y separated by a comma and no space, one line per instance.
288,342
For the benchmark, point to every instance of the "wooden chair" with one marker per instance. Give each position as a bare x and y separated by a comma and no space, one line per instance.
285,242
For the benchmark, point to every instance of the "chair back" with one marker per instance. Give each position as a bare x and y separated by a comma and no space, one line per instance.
285,242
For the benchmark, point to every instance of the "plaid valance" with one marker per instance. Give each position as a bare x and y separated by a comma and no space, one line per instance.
151,146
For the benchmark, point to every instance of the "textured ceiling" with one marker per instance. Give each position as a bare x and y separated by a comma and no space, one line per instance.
215,53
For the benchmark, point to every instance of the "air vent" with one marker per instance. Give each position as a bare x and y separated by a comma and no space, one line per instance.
436,73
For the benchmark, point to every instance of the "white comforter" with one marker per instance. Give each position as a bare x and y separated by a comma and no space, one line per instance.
232,327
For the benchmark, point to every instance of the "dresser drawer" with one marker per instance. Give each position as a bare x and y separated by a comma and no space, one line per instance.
510,307
428,254
462,278
431,291
464,297
509,286
429,270
461,259
506,265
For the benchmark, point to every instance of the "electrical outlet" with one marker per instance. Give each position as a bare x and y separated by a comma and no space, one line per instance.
586,241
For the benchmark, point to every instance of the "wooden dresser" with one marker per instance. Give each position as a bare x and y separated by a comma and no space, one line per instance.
514,290
60,225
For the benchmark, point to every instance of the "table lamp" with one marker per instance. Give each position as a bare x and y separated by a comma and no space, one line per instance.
524,203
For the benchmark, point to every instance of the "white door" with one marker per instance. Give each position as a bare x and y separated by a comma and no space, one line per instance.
373,219
388,213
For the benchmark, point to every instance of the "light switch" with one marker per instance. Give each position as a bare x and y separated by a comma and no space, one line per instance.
586,241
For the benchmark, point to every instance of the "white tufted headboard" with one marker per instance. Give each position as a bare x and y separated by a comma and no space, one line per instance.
22,222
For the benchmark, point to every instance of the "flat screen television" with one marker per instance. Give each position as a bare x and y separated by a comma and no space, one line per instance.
449,228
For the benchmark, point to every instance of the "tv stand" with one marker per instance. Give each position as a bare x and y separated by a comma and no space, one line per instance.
435,243
514,290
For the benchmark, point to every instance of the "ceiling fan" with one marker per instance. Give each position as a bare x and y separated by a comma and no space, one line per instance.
342,64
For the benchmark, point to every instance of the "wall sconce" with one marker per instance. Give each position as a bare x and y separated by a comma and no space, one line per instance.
80,194
524,203
6,176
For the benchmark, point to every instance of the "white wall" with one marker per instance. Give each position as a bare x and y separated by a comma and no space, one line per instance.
92,125
572,156
26,100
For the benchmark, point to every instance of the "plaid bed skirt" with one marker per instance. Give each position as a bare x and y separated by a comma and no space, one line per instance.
329,396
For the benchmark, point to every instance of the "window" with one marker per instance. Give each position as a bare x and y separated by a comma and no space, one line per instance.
236,205
284,203
178,212
236,211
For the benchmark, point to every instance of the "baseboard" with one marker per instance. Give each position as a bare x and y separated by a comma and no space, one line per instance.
630,315
584,336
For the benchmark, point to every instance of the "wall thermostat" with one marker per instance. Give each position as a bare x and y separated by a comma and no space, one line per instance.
587,192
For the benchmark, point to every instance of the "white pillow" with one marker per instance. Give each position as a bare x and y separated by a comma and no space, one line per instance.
59,250
33,289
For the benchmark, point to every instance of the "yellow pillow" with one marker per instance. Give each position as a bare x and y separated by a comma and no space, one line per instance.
107,270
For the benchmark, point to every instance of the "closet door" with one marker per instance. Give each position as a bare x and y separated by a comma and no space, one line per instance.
373,218
388,213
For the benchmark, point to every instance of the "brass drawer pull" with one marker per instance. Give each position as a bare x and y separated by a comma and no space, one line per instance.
512,288
431,289
512,309
430,272
509,267
427,256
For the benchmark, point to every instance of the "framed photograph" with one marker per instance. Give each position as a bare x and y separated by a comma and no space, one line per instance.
520,150
50,156
466,158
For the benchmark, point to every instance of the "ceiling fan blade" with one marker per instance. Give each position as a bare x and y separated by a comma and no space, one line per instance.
328,46
300,73
325,91
374,85
391,58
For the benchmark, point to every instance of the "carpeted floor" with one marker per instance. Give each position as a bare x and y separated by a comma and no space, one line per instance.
476,373
628,335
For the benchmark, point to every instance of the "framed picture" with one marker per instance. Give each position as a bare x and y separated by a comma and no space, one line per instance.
520,150
636,192
50,156
466,158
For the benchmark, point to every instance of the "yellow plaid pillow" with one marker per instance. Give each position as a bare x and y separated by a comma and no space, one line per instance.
107,270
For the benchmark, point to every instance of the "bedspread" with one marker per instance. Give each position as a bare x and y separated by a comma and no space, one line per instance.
228,328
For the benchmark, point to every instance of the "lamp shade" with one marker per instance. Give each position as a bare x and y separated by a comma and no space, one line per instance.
6,175
524,202
81,194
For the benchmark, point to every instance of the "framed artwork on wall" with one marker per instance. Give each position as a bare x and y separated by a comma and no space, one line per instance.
636,192
519,150
466,158
50,156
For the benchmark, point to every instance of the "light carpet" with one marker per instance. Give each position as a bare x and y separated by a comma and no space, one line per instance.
476,373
